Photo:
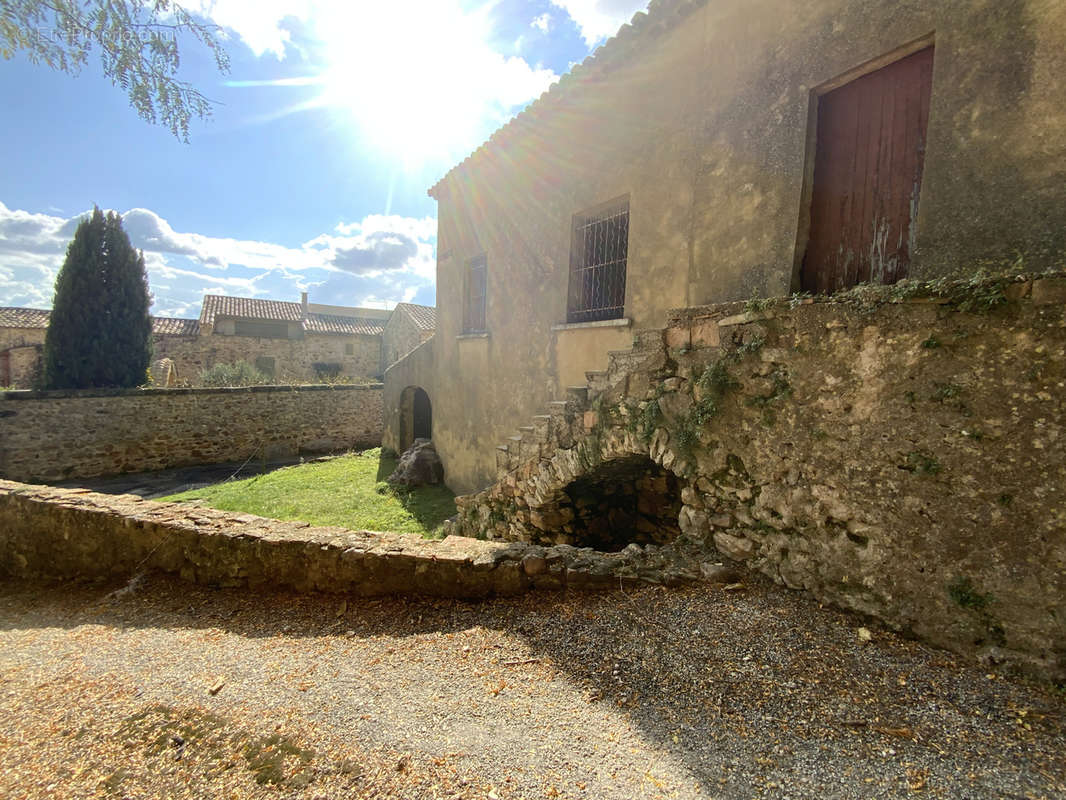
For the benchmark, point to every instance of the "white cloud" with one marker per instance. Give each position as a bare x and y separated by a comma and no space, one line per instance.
258,23
379,256
541,23
600,19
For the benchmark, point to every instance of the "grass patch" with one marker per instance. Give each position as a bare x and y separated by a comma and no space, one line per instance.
348,491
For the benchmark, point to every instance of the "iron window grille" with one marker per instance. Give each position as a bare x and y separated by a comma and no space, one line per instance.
474,304
598,264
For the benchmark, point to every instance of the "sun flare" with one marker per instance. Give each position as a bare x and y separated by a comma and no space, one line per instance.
420,79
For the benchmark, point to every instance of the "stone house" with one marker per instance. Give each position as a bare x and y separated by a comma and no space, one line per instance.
286,340
292,342
22,332
718,149
407,327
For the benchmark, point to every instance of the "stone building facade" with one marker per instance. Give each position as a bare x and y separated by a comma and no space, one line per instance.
702,156
290,342
22,332
407,327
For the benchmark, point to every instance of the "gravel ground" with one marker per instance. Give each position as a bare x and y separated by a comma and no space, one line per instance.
169,690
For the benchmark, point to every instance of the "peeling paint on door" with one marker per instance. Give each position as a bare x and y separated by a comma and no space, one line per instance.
867,181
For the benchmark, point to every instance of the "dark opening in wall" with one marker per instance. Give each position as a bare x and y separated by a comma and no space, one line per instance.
624,501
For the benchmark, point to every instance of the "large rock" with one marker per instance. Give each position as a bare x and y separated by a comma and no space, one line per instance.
419,465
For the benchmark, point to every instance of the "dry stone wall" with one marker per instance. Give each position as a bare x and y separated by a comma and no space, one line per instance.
66,534
59,435
899,451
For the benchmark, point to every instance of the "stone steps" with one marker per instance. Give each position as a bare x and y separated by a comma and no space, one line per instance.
557,427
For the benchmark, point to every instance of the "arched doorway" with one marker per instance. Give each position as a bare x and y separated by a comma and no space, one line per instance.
416,416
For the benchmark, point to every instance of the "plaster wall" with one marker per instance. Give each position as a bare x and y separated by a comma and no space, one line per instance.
399,338
705,127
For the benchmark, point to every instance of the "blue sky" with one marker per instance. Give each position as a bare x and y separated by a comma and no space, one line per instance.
311,176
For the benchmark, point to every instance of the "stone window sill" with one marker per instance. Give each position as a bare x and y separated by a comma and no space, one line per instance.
481,335
622,322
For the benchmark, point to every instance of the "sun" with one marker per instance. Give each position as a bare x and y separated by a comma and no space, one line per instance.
418,78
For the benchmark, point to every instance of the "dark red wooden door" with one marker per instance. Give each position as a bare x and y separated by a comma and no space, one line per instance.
867,176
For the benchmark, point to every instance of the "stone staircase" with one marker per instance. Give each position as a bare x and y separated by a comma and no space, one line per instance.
564,419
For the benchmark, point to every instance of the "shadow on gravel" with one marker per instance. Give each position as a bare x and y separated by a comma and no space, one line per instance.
755,690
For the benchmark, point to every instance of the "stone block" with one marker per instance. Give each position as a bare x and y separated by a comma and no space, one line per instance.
705,333
678,337
735,547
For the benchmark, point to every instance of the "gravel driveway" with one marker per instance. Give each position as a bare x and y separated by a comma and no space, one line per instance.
171,690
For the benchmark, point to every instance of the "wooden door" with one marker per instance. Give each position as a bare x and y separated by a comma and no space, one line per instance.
867,176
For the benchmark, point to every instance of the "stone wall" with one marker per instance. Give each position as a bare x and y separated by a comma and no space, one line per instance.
899,451
76,534
293,358
60,435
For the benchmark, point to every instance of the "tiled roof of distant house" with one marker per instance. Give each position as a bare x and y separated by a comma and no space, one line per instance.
247,308
347,326
284,311
175,326
39,318
425,317
661,16
24,317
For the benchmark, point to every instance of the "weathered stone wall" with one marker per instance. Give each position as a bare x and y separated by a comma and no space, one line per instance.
59,435
292,357
76,534
704,124
902,456
19,337
21,359
400,336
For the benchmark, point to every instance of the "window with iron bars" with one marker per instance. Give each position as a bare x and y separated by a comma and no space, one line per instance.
474,302
598,264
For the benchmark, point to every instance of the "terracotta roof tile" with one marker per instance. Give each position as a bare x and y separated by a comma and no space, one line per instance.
39,318
425,317
247,308
175,326
24,317
343,326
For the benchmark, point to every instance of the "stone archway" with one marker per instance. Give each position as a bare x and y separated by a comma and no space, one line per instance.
416,416
624,501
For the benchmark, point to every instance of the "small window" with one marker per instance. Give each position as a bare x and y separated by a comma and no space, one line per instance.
598,255
349,349
474,302
265,364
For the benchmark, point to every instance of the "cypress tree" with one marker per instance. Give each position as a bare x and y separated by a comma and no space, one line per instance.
100,334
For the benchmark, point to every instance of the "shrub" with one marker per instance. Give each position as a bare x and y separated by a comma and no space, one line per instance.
239,373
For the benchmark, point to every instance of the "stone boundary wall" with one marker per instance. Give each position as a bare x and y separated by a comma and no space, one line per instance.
898,451
52,533
61,435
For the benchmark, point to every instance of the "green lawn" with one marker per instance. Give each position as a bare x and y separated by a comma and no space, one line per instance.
348,491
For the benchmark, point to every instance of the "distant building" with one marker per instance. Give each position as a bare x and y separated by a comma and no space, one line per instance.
291,342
